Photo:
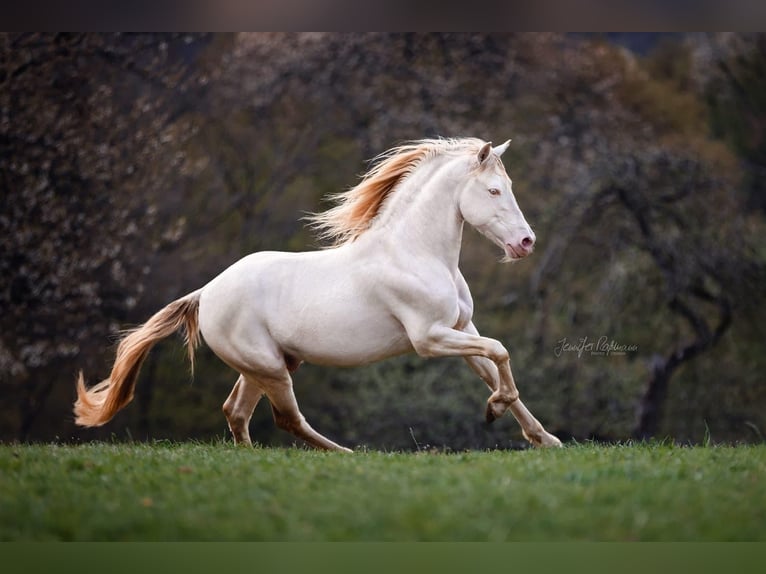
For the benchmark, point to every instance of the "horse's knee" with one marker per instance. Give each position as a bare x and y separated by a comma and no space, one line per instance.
498,353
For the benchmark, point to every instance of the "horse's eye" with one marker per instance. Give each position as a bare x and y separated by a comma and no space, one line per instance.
494,191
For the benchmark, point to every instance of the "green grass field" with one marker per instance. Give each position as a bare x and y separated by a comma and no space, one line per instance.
192,491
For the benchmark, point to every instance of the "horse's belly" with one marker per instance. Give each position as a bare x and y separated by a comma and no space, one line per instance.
352,338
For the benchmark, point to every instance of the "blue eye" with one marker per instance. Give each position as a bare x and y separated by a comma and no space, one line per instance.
494,191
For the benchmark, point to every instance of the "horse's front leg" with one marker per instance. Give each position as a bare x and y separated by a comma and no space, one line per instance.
491,361
497,404
503,386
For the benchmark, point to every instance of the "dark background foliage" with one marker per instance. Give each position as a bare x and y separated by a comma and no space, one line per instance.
133,168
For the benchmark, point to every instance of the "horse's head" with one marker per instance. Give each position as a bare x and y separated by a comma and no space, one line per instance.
486,201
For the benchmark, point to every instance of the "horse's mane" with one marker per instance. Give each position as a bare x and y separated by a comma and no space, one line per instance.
357,207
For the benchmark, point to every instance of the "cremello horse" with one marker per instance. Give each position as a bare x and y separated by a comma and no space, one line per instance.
389,285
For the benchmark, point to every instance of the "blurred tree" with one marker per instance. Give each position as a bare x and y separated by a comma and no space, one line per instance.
736,96
87,126
651,183
178,160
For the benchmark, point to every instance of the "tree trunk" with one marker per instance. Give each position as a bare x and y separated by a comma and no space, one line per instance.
650,407
662,369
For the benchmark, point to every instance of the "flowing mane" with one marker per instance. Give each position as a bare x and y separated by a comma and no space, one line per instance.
357,207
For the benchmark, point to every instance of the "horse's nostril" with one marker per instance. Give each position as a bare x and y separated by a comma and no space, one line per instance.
527,242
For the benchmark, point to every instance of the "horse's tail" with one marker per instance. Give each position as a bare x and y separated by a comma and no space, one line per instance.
97,405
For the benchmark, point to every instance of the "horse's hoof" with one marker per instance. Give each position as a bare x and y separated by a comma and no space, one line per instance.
489,415
551,442
495,409
545,440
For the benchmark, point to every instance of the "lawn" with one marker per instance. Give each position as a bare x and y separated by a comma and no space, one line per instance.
194,491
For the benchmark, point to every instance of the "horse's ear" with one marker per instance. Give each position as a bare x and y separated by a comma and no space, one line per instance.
484,152
500,150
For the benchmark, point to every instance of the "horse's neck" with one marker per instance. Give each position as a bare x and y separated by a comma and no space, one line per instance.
422,217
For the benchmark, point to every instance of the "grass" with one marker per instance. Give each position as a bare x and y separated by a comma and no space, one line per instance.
192,491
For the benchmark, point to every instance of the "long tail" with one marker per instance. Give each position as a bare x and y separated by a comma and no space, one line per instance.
97,405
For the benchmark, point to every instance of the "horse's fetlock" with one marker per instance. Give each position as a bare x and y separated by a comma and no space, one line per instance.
236,420
504,398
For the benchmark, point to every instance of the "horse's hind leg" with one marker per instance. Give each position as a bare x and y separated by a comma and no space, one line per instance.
239,407
288,417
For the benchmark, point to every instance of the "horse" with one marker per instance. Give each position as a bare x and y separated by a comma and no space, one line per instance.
387,284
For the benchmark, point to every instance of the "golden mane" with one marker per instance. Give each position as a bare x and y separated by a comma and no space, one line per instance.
357,207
